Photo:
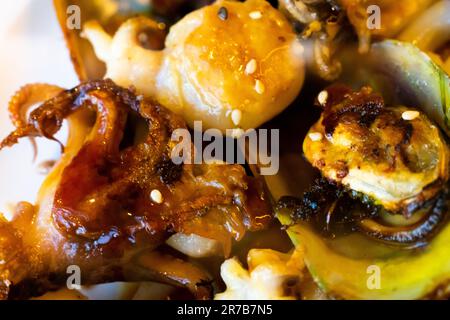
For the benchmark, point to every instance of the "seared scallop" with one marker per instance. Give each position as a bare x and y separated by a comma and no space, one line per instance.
231,64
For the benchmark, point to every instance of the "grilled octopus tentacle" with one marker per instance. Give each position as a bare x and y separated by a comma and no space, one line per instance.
94,209
20,103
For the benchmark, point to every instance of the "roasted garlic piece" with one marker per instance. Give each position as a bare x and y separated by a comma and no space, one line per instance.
394,155
230,64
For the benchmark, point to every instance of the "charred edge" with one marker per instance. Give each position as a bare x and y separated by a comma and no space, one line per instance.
323,198
48,118
168,171
364,104
35,287
421,231
319,196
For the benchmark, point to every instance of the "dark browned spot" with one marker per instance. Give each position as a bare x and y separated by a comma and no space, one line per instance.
364,105
168,171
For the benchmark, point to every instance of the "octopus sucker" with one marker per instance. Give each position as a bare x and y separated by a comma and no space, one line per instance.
94,209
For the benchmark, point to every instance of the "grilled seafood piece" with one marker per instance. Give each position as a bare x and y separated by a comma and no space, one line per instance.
96,208
395,15
351,226
394,155
111,14
230,64
344,236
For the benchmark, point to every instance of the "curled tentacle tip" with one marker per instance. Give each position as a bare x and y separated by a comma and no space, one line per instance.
61,145
34,148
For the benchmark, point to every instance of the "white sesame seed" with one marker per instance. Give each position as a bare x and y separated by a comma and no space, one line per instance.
315,136
259,87
255,15
322,97
236,116
410,115
251,66
156,196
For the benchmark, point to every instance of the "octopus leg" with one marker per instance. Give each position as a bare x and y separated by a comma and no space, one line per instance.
23,100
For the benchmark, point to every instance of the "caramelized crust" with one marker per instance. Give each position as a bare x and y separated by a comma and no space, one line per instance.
371,149
95,210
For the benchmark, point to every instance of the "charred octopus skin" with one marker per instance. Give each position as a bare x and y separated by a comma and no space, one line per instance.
394,155
94,209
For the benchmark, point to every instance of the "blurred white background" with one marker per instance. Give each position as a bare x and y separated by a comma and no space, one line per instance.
32,50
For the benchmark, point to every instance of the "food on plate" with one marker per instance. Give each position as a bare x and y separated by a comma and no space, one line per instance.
331,26
115,196
390,216
405,75
223,58
430,32
271,275
392,17
392,154
355,96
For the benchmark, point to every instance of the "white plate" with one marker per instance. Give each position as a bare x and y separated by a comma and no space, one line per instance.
33,50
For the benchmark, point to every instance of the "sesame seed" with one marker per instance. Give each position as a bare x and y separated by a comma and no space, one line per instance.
236,116
255,15
223,13
251,66
322,97
410,115
315,136
259,87
156,196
